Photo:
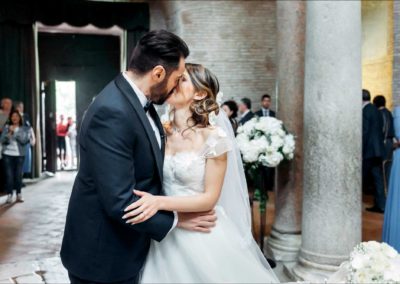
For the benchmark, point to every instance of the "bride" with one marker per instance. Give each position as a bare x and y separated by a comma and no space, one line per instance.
202,171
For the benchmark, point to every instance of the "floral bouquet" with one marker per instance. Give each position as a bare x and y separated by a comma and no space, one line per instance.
373,262
263,141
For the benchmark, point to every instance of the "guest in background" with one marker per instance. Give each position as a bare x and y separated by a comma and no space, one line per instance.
62,130
14,138
388,133
245,111
6,108
373,150
231,109
19,106
27,168
265,107
391,225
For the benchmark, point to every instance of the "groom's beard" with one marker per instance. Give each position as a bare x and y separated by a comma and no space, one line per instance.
159,93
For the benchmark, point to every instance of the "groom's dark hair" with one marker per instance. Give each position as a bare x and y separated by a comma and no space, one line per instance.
158,47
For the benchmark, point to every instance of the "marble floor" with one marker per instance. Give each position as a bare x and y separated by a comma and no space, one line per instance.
31,232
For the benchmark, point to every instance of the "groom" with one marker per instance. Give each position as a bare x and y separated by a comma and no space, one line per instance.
122,146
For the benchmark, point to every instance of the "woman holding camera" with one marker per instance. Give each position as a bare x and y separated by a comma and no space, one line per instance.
14,138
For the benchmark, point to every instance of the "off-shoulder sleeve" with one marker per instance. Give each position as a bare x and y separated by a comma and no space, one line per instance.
217,144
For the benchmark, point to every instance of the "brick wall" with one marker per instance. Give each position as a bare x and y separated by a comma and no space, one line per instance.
396,55
235,39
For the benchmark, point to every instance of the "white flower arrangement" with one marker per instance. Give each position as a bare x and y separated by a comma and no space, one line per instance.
264,141
373,262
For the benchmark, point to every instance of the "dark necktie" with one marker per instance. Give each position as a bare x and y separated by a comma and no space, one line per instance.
147,106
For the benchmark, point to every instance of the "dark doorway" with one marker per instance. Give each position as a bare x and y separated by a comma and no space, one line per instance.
91,61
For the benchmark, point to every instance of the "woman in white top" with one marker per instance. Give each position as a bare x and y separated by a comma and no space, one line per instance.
14,138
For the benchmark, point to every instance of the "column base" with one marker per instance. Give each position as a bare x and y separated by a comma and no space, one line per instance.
309,271
283,247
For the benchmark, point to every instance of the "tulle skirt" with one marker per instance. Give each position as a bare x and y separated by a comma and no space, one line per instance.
217,257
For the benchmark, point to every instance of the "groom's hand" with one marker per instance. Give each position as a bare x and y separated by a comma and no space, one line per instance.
198,222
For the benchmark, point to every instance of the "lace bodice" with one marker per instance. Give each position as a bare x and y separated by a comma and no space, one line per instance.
184,171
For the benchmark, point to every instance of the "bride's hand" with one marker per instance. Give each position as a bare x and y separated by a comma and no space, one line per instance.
143,209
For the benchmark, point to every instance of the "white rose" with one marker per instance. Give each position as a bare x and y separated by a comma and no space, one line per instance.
276,141
379,263
250,155
242,138
250,149
373,246
281,133
271,160
261,126
269,125
261,144
358,261
289,140
392,273
249,127
258,145
388,250
286,150
270,150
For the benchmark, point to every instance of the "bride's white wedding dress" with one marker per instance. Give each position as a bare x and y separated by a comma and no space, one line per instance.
191,257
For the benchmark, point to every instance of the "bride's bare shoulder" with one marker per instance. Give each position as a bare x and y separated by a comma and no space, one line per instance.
208,131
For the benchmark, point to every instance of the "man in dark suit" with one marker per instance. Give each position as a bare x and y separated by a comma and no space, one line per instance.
388,134
265,107
245,111
122,147
373,150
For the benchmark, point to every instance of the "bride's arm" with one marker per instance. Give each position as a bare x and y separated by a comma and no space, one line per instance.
148,204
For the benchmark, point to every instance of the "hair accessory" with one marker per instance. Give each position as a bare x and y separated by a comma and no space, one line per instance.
220,97
212,118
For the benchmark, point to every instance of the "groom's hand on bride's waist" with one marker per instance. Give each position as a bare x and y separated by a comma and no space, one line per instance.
198,222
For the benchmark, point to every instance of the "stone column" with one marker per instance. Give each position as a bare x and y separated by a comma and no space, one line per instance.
396,54
284,242
331,222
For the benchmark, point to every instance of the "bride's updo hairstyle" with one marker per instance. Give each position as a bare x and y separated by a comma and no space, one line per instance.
203,81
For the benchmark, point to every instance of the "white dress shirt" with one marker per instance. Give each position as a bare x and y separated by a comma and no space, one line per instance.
265,111
143,100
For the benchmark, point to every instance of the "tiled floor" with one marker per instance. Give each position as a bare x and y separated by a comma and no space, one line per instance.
31,232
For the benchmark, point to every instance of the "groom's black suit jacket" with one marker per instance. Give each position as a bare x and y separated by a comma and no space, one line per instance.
118,152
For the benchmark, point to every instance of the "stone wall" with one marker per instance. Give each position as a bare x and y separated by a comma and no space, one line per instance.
235,39
396,61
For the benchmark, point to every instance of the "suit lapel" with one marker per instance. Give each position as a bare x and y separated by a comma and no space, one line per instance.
131,96
156,118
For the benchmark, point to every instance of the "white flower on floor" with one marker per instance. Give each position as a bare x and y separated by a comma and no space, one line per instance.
373,262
